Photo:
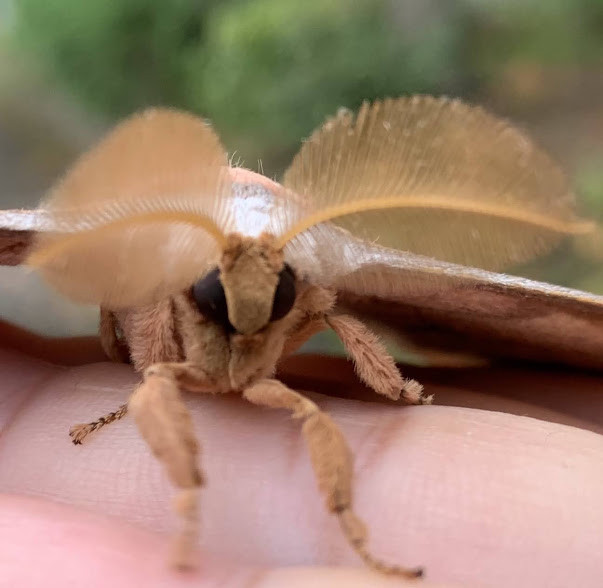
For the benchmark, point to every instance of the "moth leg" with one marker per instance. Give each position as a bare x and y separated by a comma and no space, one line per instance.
332,463
166,425
79,432
373,364
188,376
116,351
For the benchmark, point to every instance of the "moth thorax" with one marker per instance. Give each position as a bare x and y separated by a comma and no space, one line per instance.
249,272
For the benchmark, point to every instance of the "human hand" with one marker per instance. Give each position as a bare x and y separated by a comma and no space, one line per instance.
478,498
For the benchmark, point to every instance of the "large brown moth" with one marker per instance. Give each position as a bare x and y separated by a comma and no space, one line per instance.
208,275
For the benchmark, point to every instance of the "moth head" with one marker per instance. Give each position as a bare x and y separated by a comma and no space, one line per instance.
251,287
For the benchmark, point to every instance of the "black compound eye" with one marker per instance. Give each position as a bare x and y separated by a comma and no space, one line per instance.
284,297
209,296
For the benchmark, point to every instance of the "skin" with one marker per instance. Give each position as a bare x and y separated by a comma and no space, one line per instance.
480,498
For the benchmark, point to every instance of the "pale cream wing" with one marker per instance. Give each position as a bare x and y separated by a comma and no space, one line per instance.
139,217
435,177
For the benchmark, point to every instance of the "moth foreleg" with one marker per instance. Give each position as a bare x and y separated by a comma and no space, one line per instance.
79,432
116,351
188,375
331,460
373,364
166,425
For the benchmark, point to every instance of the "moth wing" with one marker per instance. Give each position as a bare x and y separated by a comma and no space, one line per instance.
17,230
449,307
435,177
140,216
492,315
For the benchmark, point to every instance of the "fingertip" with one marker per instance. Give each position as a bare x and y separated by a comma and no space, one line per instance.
55,545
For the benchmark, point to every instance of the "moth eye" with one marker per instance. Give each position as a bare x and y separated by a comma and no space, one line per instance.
284,297
210,298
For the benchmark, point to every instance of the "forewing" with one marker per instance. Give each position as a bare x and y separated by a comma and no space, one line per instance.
447,307
434,177
484,313
139,217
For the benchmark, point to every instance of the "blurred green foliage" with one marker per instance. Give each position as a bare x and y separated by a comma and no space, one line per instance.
265,72
545,31
272,70
114,55
268,71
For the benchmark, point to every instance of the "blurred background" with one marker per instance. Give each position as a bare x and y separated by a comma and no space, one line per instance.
266,72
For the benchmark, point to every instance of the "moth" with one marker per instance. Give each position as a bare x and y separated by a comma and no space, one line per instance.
208,275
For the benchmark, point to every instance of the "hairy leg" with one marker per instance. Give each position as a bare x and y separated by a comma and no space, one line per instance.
374,365
331,460
188,375
117,351
166,425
